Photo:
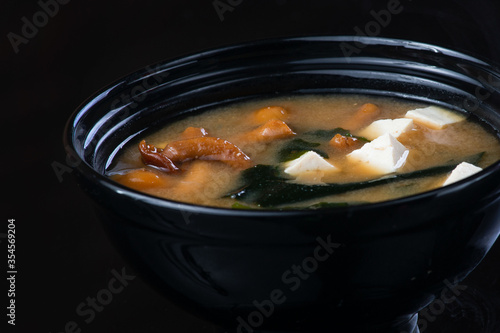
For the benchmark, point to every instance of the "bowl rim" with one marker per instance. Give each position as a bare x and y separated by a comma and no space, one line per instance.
88,171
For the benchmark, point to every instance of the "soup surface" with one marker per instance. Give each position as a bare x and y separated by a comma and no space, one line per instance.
306,152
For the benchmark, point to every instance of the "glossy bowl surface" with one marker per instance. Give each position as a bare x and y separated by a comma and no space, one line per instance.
361,268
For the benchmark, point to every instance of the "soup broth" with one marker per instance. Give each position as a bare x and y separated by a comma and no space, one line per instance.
307,152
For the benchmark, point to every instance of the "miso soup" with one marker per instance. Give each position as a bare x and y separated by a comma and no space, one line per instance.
309,152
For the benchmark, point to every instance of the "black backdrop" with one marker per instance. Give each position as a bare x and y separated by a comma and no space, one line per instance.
54,54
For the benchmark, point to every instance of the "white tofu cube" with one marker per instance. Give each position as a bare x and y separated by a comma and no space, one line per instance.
310,161
434,117
394,127
462,171
383,155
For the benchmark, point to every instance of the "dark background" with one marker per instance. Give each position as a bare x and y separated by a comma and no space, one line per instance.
63,257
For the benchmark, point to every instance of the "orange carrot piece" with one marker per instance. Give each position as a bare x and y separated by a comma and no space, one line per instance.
366,113
342,142
271,112
193,132
140,179
206,148
272,130
153,156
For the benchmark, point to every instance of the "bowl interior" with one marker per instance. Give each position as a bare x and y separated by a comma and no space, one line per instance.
166,91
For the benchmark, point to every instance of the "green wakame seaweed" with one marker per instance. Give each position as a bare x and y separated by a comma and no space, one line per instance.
264,186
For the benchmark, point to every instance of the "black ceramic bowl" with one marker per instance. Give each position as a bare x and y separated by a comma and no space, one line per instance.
362,268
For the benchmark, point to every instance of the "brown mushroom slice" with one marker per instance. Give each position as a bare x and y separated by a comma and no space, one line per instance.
207,148
197,180
140,179
153,156
193,132
270,112
365,114
272,130
343,142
